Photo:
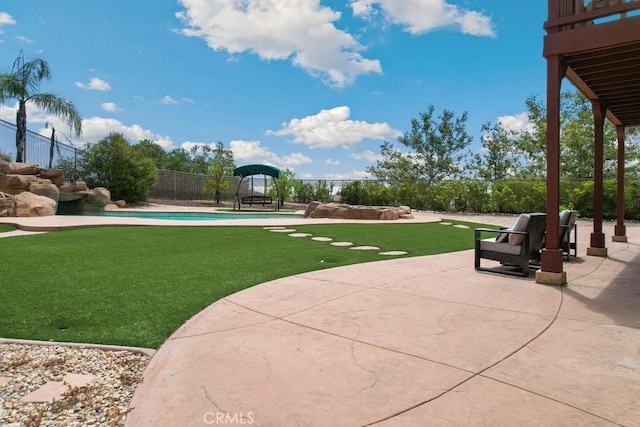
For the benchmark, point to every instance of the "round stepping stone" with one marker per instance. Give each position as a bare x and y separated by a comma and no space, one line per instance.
300,234
365,248
273,227
342,244
391,253
322,239
461,226
444,223
282,230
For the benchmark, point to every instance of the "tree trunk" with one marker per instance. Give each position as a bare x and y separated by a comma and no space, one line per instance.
53,143
21,133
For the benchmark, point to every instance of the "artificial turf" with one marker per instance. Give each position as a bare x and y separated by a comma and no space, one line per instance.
6,227
136,285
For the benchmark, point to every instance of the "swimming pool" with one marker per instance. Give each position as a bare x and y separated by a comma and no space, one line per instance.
195,216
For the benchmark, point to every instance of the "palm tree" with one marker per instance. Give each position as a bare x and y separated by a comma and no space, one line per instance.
23,84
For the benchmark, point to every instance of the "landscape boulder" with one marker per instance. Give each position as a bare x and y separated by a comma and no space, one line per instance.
358,212
29,204
27,190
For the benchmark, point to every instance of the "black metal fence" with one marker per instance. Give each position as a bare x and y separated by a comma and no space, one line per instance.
38,148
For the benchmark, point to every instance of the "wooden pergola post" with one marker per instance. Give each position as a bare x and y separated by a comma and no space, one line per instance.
551,269
597,246
620,230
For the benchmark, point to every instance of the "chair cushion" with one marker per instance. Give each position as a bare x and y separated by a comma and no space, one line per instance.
564,220
503,248
502,237
520,225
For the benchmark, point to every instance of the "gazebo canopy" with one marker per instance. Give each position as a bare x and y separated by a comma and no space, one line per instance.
248,170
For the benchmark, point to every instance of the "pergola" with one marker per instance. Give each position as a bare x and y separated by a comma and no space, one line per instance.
596,46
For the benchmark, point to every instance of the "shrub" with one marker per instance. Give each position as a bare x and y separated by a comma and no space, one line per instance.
114,164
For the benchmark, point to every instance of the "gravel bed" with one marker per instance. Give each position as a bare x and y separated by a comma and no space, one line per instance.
102,402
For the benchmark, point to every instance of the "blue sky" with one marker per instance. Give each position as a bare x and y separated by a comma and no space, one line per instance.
312,85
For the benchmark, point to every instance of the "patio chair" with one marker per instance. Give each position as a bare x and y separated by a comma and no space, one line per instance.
517,248
568,228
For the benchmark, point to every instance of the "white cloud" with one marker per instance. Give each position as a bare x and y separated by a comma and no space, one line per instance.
6,19
301,31
421,16
332,128
254,152
109,106
93,129
24,39
367,155
347,176
167,100
516,123
95,84
331,162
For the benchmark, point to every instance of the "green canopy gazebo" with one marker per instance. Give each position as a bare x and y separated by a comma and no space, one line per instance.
251,170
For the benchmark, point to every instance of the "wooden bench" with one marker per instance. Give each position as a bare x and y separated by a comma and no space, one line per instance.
258,200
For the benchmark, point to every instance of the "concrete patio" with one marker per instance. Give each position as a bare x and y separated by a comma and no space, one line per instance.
410,341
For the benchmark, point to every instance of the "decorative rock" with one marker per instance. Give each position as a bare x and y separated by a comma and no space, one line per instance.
46,189
96,199
369,213
56,176
23,186
344,211
7,204
72,187
389,214
7,167
120,203
25,168
29,204
310,208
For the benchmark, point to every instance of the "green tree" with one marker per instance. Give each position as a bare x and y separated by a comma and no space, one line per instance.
220,167
22,83
286,184
437,150
576,139
113,163
153,151
498,159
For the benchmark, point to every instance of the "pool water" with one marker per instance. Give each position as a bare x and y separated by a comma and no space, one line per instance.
195,216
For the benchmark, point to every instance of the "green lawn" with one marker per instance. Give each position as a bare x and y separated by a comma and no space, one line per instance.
136,285
5,227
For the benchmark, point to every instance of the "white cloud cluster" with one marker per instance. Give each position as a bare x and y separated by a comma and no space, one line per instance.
6,19
95,84
110,107
254,152
302,31
332,128
167,100
421,16
516,123
368,156
93,129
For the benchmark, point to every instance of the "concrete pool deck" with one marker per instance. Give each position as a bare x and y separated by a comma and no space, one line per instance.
410,341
